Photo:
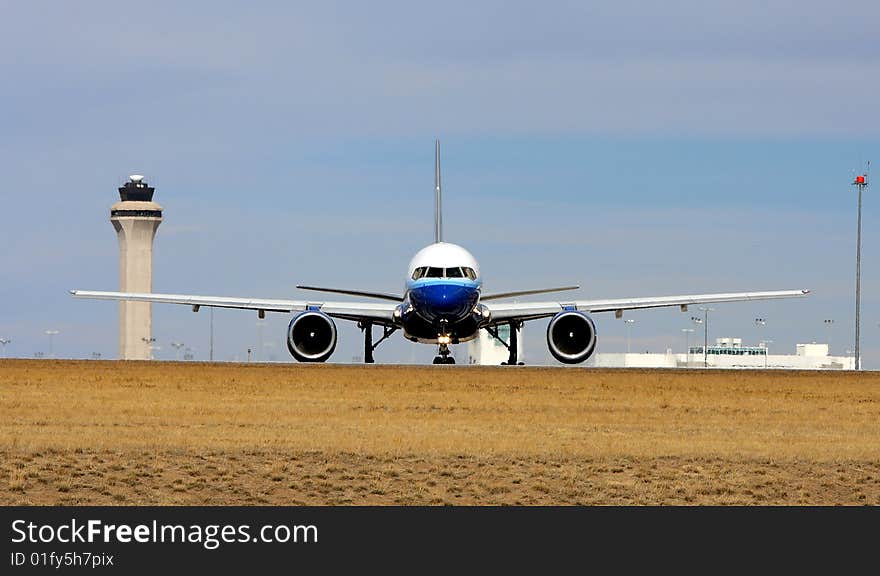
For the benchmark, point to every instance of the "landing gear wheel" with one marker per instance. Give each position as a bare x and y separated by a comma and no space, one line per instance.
444,357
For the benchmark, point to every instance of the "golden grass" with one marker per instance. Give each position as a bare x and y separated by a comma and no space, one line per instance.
144,433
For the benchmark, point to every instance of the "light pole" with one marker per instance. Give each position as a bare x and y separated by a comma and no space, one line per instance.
177,346
51,334
760,323
829,323
687,346
697,322
705,322
860,182
766,349
629,322
4,342
149,343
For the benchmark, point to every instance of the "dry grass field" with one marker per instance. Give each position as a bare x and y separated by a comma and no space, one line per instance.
187,433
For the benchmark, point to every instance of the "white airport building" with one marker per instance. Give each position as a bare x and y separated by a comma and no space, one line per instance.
730,353
726,353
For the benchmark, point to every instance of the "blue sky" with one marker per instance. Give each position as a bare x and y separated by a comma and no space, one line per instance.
681,147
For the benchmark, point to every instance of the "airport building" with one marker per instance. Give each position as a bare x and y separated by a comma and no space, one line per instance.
730,353
135,218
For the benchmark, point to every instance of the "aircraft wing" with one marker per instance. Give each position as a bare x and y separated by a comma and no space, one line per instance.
380,313
506,311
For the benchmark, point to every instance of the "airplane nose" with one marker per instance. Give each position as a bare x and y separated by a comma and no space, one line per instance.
445,299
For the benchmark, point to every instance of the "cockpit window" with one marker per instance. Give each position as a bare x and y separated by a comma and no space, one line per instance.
452,272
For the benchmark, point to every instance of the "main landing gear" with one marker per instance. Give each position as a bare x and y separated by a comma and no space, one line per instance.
369,347
513,346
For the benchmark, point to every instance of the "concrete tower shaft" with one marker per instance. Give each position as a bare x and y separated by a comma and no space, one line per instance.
135,218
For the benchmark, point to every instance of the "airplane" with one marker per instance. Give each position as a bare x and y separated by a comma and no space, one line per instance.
442,304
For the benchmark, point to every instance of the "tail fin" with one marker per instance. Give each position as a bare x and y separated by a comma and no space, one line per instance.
438,203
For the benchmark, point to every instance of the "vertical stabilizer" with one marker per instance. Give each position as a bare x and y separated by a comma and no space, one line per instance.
438,203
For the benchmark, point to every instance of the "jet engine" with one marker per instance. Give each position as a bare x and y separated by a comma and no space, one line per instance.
311,336
571,337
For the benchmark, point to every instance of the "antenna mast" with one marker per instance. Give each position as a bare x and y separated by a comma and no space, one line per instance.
861,182
438,203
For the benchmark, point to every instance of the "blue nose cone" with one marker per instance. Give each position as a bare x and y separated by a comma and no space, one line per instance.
450,300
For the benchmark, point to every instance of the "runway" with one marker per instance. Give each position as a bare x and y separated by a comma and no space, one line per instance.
95,432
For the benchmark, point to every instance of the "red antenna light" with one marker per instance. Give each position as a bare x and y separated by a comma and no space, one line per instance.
860,181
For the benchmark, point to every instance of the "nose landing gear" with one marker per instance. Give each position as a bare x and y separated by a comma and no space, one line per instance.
444,357
444,339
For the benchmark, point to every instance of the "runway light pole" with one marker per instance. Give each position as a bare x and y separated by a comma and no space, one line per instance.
4,342
829,323
764,343
629,322
861,182
760,323
687,346
149,343
51,334
705,322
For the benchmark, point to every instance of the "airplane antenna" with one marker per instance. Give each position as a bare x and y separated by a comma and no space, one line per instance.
438,204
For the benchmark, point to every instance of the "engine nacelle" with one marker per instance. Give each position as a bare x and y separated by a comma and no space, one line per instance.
571,337
311,336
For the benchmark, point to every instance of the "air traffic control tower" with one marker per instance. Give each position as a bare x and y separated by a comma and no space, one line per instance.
135,218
